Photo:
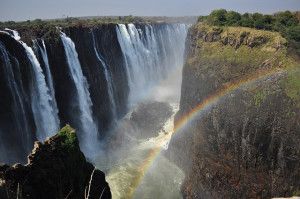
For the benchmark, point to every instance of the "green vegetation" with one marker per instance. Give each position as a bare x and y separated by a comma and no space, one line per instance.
229,55
247,48
291,84
287,23
98,20
70,138
296,193
259,98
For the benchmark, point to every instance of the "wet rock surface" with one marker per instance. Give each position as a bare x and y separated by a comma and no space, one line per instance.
56,168
150,117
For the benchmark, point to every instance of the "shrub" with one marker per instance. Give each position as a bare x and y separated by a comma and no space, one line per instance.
294,33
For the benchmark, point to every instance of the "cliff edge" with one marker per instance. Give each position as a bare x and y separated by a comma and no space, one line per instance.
244,141
56,168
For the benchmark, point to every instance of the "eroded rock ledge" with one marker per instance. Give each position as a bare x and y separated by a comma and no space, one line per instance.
56,168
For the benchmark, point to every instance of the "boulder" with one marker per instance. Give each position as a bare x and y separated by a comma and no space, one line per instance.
56,168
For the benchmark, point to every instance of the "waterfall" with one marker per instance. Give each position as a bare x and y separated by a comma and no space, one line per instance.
109,80
17,91
49,79
150,55
44,115
89,129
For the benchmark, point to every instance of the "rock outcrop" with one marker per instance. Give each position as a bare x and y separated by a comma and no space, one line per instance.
246,144
149,118
145,121
56,168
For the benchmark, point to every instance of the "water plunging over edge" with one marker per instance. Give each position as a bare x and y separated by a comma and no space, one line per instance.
88,131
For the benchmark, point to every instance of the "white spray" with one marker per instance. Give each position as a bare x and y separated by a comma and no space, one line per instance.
150,55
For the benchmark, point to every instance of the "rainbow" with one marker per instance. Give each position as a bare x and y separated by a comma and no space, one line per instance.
193,114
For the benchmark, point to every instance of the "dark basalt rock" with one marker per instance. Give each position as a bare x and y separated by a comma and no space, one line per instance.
56,168
247,144
150,117
146,121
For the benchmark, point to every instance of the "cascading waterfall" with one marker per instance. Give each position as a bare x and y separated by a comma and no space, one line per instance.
150,55
89,129
49,80
109,80
18,95
44,115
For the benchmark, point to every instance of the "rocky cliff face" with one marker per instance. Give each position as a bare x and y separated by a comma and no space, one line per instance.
56,168
245,145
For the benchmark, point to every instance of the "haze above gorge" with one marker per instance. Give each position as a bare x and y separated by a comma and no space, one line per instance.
32,9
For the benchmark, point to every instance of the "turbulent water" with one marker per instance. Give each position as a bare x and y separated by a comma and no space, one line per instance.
88,129
134,172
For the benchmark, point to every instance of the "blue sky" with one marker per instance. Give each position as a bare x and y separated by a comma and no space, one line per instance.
20,10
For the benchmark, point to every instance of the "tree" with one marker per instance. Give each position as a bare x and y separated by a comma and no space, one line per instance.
201,18
258,20
79,23
256,16
129,19
259,23
268,21
10,23
246,15
93,21
217,17
294,33
247,22
287,19
233,18
297,15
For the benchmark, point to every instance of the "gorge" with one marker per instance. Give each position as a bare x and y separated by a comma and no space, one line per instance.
90,77
229,130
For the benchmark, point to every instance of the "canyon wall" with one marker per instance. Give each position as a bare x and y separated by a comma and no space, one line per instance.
244,141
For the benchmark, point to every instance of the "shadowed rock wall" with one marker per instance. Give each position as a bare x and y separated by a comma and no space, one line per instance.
246,145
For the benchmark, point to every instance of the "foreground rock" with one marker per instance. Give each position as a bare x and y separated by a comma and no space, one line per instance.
246,145
56,169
